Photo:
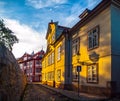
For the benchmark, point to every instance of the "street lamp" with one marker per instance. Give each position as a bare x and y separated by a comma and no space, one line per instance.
78,70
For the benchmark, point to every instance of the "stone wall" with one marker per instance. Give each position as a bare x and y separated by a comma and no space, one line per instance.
12,80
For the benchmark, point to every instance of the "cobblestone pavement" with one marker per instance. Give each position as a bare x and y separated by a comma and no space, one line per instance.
39,93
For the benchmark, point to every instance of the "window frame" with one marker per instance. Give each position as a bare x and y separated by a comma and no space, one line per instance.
74,74
52,57
59,53
37,62
91,73
37,70
37,78
75,45
59,75
92,38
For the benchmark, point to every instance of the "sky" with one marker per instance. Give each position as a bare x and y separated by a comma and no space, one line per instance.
29,19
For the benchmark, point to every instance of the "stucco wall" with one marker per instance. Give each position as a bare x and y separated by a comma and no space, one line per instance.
104,49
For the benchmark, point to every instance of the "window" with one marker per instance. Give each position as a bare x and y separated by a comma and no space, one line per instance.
50,76
93,38
52,58
30,70
53,37
25,64
58,75
21,65
38,70
27,71
59,53
28,63
25,58
37,78
31,63
75,46
37,62
92,73
75,74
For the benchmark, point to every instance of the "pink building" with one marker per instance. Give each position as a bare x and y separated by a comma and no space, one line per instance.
31,65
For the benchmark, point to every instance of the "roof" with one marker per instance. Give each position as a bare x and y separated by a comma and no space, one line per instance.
32,56
64,32
93,13
57,27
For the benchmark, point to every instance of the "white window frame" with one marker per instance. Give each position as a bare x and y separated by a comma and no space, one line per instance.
92,73
59,53
93,38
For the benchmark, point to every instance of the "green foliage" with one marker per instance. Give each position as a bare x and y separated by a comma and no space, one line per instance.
6,36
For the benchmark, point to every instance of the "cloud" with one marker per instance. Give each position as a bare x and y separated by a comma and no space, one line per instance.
29,39
44,3
76,9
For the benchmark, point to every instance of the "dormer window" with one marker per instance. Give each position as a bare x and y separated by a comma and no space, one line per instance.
85,13
53,37
25,58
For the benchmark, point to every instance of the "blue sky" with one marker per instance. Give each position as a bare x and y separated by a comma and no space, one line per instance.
28,19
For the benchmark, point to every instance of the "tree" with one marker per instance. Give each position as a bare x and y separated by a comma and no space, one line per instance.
6,36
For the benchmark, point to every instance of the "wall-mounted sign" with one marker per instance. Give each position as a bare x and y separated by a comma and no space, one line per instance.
94,57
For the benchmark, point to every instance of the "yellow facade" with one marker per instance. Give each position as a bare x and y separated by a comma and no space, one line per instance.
53,65
94,37
103,50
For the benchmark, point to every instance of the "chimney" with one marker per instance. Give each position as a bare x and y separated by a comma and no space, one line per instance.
51,21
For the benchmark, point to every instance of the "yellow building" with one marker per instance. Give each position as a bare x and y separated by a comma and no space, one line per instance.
55,66
97,37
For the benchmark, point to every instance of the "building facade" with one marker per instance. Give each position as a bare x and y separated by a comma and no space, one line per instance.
96,37
31,65
56,65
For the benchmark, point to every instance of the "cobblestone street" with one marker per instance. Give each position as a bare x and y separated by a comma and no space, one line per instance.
39,93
